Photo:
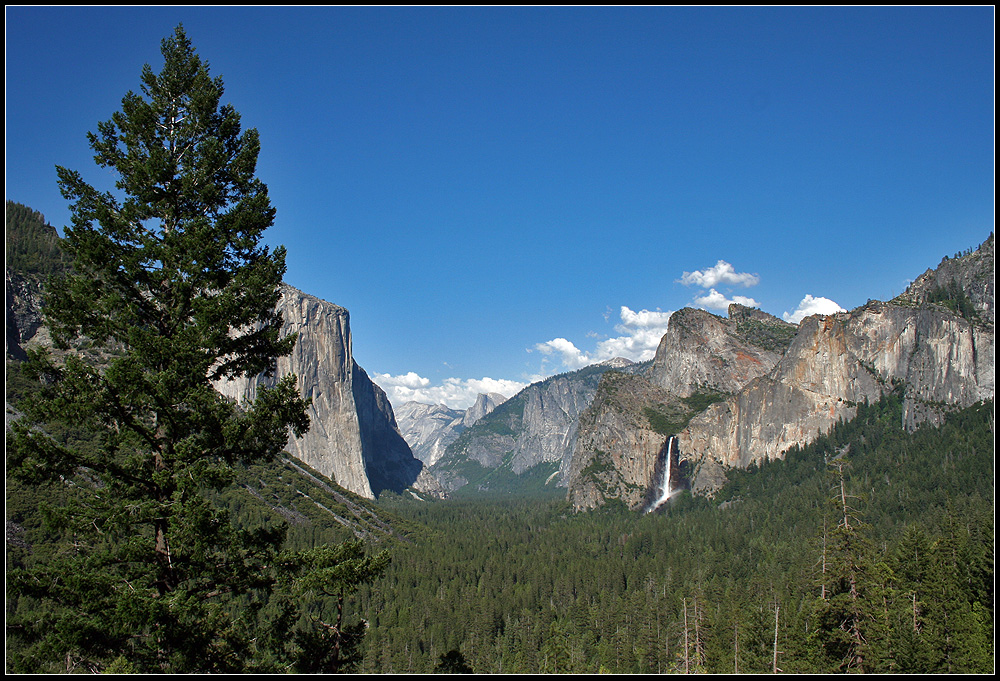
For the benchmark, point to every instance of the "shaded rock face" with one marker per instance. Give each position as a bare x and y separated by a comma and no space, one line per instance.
940,359
22,313
430,428
702,352
538,425
353,437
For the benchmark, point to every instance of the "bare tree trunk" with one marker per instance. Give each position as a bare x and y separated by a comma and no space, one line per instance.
736,648
822,587
686,657
774,664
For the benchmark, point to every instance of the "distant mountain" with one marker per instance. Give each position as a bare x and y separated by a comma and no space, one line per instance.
430,428
534,431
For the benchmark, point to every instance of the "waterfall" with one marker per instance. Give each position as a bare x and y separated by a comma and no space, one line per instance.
665,490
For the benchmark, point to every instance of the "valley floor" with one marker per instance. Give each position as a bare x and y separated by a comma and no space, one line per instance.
778,571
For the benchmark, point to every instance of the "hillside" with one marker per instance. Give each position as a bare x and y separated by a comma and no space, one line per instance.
527,441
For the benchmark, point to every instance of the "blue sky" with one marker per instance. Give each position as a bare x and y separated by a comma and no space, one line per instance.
500,194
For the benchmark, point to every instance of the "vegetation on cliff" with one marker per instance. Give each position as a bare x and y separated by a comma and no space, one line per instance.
31,245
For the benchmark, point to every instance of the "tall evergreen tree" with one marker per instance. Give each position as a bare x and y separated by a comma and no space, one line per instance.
170,275
842,617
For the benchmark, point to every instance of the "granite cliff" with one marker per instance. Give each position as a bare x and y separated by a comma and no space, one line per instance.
702,358
619,442
703,352
939,360
749,388
353,438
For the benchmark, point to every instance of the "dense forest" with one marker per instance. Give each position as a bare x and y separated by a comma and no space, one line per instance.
870,550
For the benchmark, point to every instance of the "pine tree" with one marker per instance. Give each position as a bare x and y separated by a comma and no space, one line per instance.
841,616
170,276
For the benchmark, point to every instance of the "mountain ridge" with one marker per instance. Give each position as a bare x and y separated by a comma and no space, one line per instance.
430,428
935,342
536,426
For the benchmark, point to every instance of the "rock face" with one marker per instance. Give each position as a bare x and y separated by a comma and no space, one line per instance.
22,313
430,428
538,425
701,352
835,362
623,436
973,274
485,403
778,386
617,448
918,343
353,437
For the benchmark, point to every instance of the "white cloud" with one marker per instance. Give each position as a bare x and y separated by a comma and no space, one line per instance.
722,273
811,306
457,393
644,318
408,380
640,335
716,301
572,357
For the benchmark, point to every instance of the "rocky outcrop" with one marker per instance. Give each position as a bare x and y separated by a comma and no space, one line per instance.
353,437
430,428
972,276
701,352
617,446
484,404
622,438
22,313
937,349
536,426
940,360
